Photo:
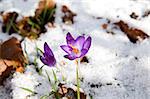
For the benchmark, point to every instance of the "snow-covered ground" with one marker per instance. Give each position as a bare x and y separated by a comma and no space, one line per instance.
118,69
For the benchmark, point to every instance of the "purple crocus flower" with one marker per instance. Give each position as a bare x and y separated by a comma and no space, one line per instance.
76,48
48,56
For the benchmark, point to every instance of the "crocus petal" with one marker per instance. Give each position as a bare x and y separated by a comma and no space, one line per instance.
47,49
83,52
66,48
70,39
48,56
87,43
70,57
50,61
76,48
44,61
79,42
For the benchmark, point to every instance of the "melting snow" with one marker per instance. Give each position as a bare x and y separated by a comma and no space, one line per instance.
118,69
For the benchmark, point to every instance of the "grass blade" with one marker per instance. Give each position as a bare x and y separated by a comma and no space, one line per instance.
55,77
29,90
48,77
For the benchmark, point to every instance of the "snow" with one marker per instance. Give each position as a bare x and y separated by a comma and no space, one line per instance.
25,8
31,80
113,58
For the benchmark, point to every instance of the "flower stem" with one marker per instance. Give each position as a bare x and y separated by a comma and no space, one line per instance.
77,78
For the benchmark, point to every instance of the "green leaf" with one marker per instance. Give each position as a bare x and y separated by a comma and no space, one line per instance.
51,13
9,25
35,62
14,27
55,77
48,77
91,97
29,90
26,54
40,69
30,22
44,97
38,49
33,25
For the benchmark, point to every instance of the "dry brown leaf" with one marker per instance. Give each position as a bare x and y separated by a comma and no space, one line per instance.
132,33
4,70
146,13
104,26
84,60
134,15
68,17
70,93
11,50
31,26
26,30
11,58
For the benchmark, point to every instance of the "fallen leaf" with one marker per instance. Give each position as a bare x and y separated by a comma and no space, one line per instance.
11,58
146,13
134,15
104,26
11,50
68,17
84,60
4,70
31,26
70,93
27,30
133,34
